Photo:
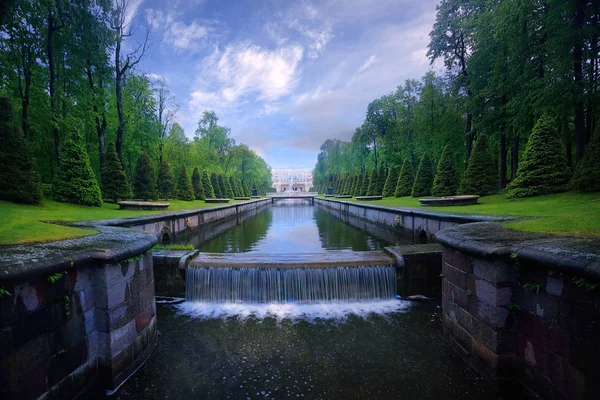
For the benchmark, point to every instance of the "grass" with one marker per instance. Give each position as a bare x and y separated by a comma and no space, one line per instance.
571,213
21,223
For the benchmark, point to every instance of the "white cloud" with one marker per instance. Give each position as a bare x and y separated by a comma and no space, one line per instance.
131,10
307,20
184,36
367,64
178,35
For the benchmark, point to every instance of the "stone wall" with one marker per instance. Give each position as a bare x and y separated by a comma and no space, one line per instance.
418,269
524,309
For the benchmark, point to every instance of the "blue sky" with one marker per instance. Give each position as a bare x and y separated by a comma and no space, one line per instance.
284,75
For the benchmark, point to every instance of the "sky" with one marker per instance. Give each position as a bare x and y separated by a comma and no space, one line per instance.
284,75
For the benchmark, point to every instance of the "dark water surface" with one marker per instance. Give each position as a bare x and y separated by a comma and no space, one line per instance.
401,355
293,226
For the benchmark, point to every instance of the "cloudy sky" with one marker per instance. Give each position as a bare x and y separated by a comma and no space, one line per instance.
284,75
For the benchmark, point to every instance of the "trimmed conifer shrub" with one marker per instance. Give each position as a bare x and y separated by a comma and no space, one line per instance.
19,181
372,188
390,183
446,181
544,167
240,187
165,184
228,188
222,186
587,174
113,178
144,181
358,184
247,189
76,182
234,187
209,191
423,179
406,180
381,177
214,181
364,188
197,185
481,176
184,185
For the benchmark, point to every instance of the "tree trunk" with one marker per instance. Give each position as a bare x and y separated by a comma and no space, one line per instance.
52,85
119,95
568,142
468,138
515,157
503,165
580,136
25,104
100,125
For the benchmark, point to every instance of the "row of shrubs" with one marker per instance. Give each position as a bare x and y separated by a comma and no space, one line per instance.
76,182
543,170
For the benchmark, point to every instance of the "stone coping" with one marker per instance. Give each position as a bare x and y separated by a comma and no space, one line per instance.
446,216
343,196
368,198
332,258
242,198
220,200
142,205
579,255
112,244
450,200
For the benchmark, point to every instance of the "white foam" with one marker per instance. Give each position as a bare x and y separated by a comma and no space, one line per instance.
293,311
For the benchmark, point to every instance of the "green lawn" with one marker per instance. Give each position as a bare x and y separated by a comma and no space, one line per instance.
28,224
572,213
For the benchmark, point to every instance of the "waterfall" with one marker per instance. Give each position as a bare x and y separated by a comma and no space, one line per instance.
290,285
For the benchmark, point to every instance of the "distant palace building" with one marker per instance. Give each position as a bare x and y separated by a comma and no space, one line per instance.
285,180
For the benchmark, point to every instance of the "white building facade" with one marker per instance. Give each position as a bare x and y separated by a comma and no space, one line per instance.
294,180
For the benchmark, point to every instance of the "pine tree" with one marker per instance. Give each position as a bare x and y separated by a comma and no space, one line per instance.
114,180
76,181
222,186
247,189
228,188
240,188
587,174
390,183
423,179
372,189
234,187
214,181
406,180
364,189
445,182
481,176
381,176
197,185
544,167
357,188
144,182
184,185
209,191
164,183
19,181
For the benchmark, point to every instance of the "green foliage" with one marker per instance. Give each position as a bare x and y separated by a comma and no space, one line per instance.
364,188
55,277
184,185
173,247
222,187
247,189
165,183
75,181
19,182
381,177
584,283
144,182
390,183
533,287
544,168
114,180
587,173
234,187
4,292
209,191
406,180
481,176
197,185
228,187
445,182
423,179
214,181
372,188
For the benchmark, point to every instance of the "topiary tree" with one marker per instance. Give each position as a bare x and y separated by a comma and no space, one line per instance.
113,178
19,181
372,189
247,189
228,188
76,181
214,181
184,185
222,186
446,181
364,188
390,183
381,177
406,180
240,187
209,191
234,187
144,183
587,174
544,167
197,185
164,183
481,176
423,179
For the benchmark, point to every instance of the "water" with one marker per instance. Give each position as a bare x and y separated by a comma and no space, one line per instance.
293,226
289,285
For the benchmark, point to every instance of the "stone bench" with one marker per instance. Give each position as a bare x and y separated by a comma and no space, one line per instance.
369,198
142,205
450,201
216,201
343,196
